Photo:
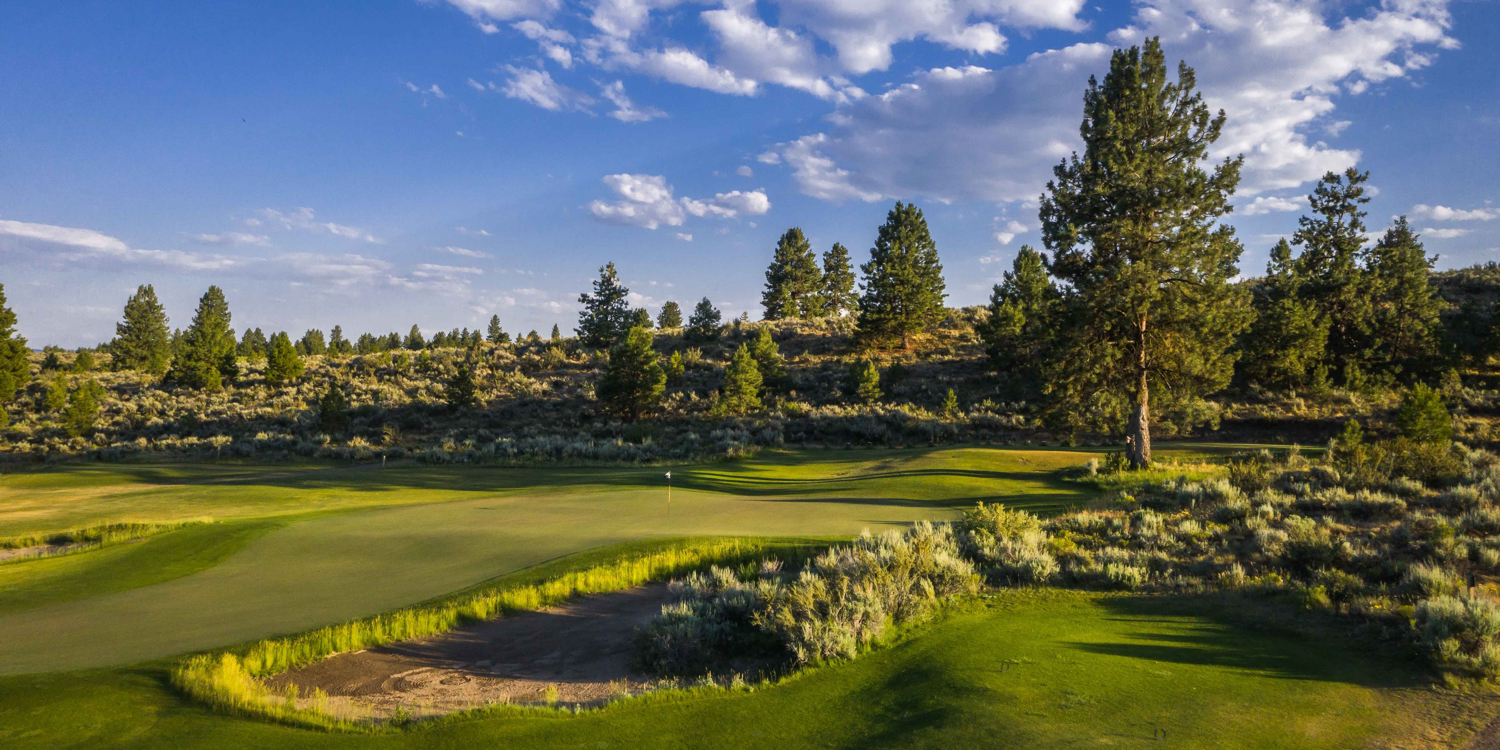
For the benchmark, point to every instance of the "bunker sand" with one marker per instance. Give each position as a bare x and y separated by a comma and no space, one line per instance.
582,649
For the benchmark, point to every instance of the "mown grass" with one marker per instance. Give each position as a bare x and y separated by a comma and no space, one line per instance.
227,680
1048,669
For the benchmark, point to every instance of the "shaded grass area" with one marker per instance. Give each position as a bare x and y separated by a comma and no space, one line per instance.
1022,669
38,582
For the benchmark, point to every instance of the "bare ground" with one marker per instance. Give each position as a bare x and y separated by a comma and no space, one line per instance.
41,550
581,649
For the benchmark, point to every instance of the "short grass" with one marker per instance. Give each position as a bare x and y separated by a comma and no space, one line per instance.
1034,670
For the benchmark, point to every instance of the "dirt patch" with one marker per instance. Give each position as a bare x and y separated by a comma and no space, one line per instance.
581,650
41,550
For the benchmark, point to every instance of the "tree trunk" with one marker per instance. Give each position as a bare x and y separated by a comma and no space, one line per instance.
1138,434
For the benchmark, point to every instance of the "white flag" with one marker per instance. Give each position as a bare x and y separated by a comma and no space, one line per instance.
669,475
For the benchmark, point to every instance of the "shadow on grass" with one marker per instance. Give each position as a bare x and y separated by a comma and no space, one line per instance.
1254,645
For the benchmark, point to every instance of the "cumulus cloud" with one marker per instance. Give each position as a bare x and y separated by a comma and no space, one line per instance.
684,237
745,171
338,270
234,238
305,219
485,12
1266,204
551,41
1444,234
1012,229
537,87
1443,213
647,201
55,243
976,133
625,109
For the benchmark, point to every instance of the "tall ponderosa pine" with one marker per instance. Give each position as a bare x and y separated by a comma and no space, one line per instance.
206,357
742,382
794,285
1329,267
634,380
142,339
495,334
838,282
1134,230
1404,320
414,340
670,315
253,344
1287,342
1019,328
312,343
283,363
338,346
15,368
641,319
768,358
904,288
606,316
462,390
556,334
704,323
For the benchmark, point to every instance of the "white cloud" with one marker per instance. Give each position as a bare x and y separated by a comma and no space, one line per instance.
769,157
1443,213
234,238
478,232
673,64
1011,231
339,270
477,86
648,201
744,170
972,133
625,109
485,11
305,219
684,237
434,90
87,244
1444,234
463,251
550,40
433,270
537,87
1266,204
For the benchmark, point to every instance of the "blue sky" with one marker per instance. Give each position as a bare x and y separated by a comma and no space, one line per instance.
376,165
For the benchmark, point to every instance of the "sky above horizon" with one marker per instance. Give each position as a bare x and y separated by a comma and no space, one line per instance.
375,165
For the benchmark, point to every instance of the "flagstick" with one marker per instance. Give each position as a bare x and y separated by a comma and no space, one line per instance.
669,494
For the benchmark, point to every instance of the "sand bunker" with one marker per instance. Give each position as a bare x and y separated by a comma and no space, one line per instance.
581,649
41,550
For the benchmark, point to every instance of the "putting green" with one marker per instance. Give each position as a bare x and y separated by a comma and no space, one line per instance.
1033,670
380,539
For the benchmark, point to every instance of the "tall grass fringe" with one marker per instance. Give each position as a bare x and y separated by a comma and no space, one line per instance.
97,536
228,680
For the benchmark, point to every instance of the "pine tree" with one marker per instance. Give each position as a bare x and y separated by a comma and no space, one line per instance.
866,381
462,392
675,368
742,382
642,319
1135,235
253,345
793,282
768,358
1404,325
556,333
57,394
206,357
633,381
312,344
84,361
142,339
1018,330
283,363
533,337
414,340
333,411
950,404
496,334
83,409
606,316
51,362
338,346
1422,417
1329,267
838,282
904,288
670,316
15,368
1286,344
703,325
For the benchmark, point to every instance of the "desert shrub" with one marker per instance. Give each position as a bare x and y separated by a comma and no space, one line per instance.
1461,633
1128,577
1482,522
710,623
1428,581
1009,543
1253,473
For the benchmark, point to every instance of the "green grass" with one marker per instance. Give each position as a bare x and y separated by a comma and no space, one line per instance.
1034,670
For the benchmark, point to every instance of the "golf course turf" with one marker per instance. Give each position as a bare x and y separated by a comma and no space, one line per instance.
88,636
